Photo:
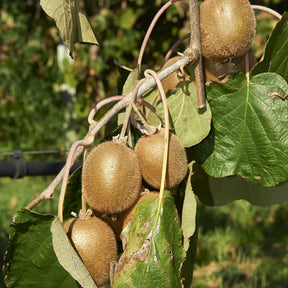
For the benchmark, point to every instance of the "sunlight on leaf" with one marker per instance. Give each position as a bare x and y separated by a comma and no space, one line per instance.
68,257
72,23
191,124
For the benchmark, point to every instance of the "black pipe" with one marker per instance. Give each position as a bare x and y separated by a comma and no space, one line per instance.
18,168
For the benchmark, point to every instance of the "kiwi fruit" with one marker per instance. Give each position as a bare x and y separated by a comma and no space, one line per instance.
119,221
171,81
220,71
95,242
227,28
111,178
150,149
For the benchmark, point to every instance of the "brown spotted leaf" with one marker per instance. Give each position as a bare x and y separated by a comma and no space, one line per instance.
153,255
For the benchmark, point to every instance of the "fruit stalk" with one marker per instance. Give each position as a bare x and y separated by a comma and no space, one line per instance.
166,138
195,48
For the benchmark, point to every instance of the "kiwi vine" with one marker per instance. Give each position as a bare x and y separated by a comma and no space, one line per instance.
121,174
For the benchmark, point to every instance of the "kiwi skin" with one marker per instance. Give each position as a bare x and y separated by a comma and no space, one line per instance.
119,221
111,178
150,149
171,81
220,71
95,242
227,28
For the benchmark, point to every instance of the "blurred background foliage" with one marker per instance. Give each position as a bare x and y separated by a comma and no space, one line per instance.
36,115
31,102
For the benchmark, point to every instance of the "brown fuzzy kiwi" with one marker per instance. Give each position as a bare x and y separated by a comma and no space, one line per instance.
119,221
220,71
171,81
111,178
150,149
95,242
227,28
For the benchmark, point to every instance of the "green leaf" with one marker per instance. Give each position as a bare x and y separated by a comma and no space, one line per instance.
275,54
72,202
191,124
30,260
250,135
153,255
188,222
131,81
221,191
68,257
72,23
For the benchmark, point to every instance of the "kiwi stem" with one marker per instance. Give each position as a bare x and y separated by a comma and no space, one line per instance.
143,120
174,47
87,141
194,51
267,10
100,104
149,31
129,109
166,139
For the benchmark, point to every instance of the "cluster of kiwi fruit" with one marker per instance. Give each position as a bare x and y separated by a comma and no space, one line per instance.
112,185
227,29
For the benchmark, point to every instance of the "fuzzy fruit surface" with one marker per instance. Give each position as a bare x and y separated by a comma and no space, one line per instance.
219,71
150,149
95,243
111,178
227,28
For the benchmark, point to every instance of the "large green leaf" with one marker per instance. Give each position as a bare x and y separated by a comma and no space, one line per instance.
191,124
153,255
72,23
275,55
30,260
250,135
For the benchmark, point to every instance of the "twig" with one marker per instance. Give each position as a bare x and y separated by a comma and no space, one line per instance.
100,104
150,29
195,53
87,141
267,10
174,47
129,109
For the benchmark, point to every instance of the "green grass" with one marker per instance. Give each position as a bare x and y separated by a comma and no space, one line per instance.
240,245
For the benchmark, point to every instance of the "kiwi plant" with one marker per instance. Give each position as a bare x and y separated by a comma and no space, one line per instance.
112,173
95,242
149,150
111,178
